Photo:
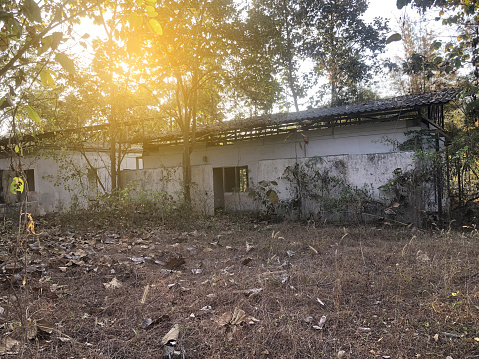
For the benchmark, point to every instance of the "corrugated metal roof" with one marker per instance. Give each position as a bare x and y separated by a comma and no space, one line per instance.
400,102
327,116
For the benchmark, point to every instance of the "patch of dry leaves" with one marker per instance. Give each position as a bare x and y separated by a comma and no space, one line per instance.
238,289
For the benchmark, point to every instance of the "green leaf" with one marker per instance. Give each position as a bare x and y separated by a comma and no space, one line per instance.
273,197
47,79
151,2
56,38
2,100
67,64
155,27
17,185
4,15
393,38
15,27
33,114
150,11
17,148
51,41
436,45
32,11
4,43
43,78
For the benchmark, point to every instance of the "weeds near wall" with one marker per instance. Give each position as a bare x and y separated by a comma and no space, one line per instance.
265,195
127,207
321,188
416,192
414,189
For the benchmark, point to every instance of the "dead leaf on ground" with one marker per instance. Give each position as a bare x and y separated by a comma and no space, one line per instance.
249,292
12,267
225,319
171,336
422,257
80,253
232,320
389,211
146,323
113,284
9,346
45,326
321,323
246,261
236,317
174,262
314,250
31,329
249,247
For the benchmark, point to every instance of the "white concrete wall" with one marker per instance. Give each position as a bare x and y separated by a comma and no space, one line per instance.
356,139
367,149
372,170
160,180
61,179
169,180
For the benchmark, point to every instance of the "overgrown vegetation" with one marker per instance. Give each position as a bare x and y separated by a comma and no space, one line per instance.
130,207
316,189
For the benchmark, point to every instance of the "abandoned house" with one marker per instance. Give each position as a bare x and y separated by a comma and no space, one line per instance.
339,158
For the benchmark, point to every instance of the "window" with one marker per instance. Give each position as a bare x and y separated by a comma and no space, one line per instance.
235,179
92,177
30,177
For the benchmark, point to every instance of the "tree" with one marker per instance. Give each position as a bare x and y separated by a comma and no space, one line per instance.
190,68
275,30
29,41
464,15
342,45
420,68
462,53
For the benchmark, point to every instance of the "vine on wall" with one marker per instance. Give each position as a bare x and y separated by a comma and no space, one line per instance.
318,189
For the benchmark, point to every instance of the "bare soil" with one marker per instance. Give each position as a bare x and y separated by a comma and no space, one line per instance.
109,293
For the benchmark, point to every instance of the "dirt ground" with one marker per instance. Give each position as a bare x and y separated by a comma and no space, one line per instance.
237,288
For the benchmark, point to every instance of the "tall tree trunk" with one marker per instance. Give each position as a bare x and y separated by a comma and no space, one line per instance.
189,135
289,57
113,172
334,94
292,87
187,173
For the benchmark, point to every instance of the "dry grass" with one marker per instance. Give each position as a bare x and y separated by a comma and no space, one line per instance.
386,292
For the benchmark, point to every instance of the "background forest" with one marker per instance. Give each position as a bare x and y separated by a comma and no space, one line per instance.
149,66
